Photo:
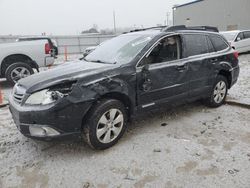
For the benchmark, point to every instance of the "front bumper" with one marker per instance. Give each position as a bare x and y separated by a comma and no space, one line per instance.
64,117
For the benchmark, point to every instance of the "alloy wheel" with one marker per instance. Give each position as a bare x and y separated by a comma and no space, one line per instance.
18,73
110,126
220,92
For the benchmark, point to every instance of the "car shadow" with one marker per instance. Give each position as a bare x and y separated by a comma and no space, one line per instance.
244,53
163,114
151,121
154,118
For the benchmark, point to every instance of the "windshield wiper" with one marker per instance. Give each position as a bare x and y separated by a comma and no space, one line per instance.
82,58
99,61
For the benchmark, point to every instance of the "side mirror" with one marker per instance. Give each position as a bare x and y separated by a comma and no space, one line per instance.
146,81
145,71
145,67
238,39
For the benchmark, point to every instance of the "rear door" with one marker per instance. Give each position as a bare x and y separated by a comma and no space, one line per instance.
217,48
247,38
196,53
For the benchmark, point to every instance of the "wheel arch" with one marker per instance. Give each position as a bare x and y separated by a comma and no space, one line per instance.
120,97
112,95
227,75
10,59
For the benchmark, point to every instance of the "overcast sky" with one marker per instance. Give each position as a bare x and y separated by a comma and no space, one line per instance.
73,16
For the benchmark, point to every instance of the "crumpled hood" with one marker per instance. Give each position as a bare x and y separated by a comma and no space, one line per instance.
67,71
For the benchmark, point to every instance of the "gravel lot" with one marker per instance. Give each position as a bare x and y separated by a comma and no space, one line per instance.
188,146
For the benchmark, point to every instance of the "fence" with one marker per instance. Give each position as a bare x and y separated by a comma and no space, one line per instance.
75,44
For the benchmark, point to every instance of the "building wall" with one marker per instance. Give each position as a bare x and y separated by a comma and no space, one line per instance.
75,44
224,14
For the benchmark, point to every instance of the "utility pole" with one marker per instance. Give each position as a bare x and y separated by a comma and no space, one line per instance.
168,14
114,22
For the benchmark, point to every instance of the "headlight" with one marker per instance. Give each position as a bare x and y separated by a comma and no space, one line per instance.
43,97
50,95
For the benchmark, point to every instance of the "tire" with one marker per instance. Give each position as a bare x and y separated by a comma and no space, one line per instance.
100,119
14,69
219,92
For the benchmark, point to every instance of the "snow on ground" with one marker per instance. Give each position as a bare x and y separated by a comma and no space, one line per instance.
241,91
198,147
187,146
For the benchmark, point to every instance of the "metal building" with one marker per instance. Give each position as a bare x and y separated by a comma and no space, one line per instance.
224,14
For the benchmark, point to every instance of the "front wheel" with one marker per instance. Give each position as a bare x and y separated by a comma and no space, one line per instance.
16,71
219,92
106,124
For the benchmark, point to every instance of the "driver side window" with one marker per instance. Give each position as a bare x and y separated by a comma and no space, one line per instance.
167,49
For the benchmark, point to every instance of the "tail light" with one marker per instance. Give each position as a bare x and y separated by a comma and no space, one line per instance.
47,48
236,55
234,58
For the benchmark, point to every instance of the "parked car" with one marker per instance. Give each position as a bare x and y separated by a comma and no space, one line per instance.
129,74
52,42
88,50
239,40
18,59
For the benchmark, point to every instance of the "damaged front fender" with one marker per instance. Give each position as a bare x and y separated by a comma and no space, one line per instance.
111,85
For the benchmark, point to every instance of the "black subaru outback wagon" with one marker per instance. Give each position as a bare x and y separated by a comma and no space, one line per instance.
133,72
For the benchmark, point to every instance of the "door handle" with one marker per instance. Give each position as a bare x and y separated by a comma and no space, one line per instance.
181,68
213,60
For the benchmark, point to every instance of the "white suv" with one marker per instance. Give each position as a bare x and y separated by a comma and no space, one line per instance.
239,40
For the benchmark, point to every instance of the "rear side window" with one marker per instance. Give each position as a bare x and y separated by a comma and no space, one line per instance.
196,44
218,43
210,45
247,34
240,36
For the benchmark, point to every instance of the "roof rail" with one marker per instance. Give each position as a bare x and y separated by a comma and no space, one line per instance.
183,27
144,29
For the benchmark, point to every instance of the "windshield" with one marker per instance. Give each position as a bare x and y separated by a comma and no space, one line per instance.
120,49
229,35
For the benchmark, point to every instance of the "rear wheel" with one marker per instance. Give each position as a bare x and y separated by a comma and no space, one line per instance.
219,92
16,71
106,124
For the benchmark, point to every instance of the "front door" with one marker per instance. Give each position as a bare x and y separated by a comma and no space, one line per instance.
162,75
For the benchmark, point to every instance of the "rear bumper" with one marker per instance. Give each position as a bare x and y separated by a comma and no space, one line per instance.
49,61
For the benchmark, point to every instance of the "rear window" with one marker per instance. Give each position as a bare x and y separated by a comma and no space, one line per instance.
196,44
218,43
